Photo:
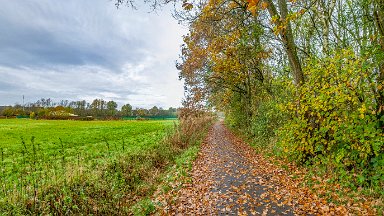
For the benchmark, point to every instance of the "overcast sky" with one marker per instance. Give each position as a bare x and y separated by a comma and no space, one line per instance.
88,49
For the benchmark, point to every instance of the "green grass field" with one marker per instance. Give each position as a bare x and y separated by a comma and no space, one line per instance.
71,139
36,155
82,134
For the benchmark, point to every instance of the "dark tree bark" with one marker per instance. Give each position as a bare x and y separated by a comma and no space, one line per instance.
378,15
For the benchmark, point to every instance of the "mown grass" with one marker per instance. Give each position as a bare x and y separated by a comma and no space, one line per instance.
43,163
55,142
99,168
84,134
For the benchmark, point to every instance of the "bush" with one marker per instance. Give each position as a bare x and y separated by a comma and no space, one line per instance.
8,112
267,116
334,120
191,128
32,115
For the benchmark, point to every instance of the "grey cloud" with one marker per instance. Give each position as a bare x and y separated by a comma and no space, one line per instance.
87,49
35,44
5,87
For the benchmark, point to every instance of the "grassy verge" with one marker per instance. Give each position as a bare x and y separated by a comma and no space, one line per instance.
172,180
176,174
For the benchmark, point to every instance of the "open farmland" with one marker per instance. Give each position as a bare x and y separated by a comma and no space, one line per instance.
42,157
82,136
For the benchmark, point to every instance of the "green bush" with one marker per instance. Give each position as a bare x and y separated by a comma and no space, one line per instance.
267,116
236,116
334,120
32,115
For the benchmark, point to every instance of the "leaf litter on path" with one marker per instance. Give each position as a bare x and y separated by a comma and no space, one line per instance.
230,178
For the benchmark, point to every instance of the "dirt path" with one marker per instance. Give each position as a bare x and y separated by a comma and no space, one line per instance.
229,178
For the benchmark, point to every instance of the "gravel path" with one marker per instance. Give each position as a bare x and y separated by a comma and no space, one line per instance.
225,182
239,187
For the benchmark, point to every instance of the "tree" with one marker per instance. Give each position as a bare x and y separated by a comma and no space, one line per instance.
126,110
111,107
378,14
223,59
7,112
141,112
284,29
98,106
154,111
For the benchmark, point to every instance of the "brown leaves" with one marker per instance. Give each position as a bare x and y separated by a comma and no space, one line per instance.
228,176
254,5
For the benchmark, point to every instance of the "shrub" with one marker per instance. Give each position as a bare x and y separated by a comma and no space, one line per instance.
333,122
8,112
267,116
32,115
191,128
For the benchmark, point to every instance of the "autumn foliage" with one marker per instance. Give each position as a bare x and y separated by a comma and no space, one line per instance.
295,77
333,119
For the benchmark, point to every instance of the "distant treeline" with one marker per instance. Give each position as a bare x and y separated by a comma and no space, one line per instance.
98,108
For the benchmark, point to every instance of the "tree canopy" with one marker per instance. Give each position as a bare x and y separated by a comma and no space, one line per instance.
307,73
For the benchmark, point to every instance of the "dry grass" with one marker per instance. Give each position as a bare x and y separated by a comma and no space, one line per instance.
189,130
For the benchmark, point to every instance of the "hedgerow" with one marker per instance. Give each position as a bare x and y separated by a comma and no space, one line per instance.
333,119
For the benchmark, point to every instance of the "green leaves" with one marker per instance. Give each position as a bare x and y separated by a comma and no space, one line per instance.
335,115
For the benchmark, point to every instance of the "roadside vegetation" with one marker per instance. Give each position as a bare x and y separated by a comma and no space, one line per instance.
97,167
46,108
302,79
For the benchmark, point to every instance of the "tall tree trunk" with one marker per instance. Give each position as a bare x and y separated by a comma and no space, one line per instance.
325,24
325,8
379,21
288,39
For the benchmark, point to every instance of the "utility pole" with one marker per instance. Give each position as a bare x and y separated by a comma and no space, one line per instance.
23,104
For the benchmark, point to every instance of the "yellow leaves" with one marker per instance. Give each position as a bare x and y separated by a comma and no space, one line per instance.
252,3
362,109
253,6
274,19
233,5
379,87
282,107
333,127
264,5
187,6
361,116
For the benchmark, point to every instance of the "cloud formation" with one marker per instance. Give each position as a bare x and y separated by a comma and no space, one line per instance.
88,49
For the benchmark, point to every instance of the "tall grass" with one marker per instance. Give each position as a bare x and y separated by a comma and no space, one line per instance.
108,184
